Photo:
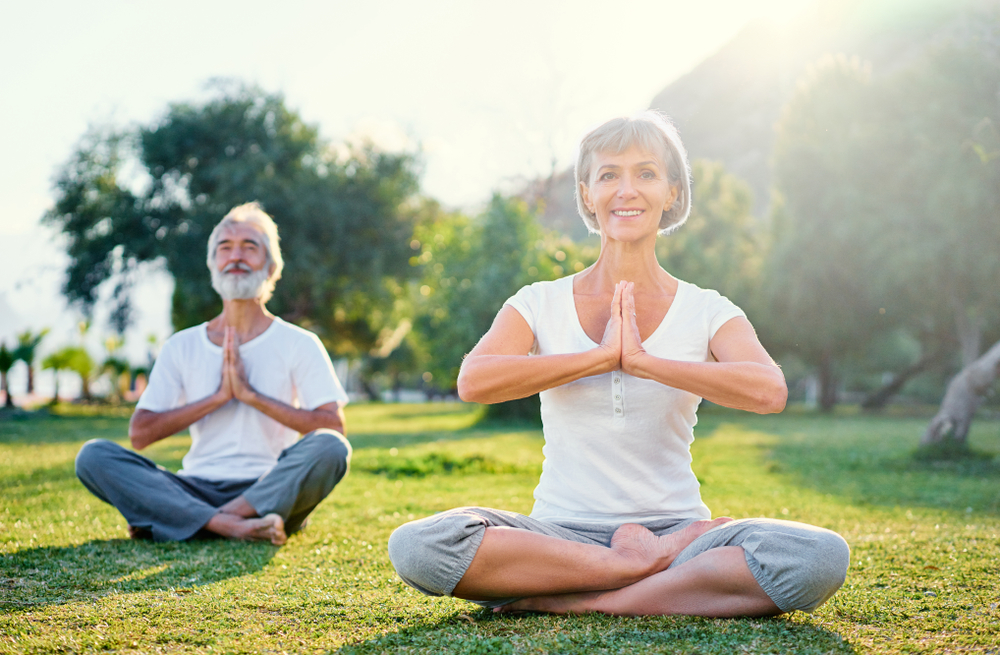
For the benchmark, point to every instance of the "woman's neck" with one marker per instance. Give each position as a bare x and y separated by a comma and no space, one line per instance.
632,261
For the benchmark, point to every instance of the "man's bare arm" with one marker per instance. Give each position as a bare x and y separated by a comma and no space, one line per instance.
330,415
148,427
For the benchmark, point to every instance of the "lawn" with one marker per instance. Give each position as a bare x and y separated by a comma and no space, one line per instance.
924,575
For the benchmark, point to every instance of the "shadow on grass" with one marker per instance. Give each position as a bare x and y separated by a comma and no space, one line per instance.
486,632
54,575
877,462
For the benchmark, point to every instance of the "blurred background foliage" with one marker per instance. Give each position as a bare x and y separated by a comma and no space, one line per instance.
859,226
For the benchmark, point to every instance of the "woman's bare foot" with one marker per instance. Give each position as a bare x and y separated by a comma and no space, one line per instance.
580,603
636,542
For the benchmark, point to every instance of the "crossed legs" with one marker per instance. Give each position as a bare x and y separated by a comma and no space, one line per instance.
629,578
751,567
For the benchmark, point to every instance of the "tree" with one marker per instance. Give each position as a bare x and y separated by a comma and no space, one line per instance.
7,361
27,347
721,246
344,222
950,426
470,268
60,360
819,289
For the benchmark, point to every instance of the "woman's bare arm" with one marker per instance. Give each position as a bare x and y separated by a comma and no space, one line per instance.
499,368
743,376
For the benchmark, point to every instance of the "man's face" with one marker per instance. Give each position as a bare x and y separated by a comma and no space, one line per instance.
241,267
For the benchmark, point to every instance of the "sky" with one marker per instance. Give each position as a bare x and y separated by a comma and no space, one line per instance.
490,93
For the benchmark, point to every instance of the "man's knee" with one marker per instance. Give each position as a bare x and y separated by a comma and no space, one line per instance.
329,449
94,457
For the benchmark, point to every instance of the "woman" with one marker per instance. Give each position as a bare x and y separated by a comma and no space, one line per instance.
622,354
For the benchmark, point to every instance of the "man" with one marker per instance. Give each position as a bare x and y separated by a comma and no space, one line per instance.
246,384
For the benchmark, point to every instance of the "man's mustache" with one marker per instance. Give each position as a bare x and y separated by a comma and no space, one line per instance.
237,266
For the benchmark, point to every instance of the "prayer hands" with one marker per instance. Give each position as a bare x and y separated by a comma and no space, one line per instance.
234,378
621,336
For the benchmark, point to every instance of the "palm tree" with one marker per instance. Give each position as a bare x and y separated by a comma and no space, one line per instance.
27,346
60,360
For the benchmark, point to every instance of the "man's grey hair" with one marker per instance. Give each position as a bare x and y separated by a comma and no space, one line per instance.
652,131
252,212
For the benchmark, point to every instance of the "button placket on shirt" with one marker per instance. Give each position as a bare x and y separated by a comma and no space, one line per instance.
617,384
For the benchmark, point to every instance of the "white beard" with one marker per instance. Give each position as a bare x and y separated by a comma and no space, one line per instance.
239,287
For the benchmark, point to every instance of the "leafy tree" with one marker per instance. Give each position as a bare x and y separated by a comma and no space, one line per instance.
343,220
7,361
26,350
722,245
470,267
819,290
60,360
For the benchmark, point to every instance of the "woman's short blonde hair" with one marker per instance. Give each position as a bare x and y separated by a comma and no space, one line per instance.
252,212
652,131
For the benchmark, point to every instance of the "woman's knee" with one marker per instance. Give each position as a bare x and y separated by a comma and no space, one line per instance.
432,554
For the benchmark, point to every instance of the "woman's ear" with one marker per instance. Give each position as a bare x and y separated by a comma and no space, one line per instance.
672,198
585,196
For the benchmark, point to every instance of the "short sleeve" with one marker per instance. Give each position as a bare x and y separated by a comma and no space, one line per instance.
315,380
527,303
165,390
721,310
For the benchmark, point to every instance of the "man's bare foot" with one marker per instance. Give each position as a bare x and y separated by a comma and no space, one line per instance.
267,528
636,542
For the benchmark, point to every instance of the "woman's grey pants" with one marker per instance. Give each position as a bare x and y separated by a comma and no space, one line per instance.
176,507
799,566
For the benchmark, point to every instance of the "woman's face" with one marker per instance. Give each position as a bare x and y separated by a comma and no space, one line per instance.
628,192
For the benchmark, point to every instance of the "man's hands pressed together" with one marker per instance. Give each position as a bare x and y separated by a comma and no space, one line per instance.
234,377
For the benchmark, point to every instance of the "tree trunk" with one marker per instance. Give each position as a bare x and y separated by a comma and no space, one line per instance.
31,379
969,330
9,402
85,387
827,383
880,397
55,394
964,393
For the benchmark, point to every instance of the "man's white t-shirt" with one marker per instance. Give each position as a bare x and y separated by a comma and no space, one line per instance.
236,441
618,448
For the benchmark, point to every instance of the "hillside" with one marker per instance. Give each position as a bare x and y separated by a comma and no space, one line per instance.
727,106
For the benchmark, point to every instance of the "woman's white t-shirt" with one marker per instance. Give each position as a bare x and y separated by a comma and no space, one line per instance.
236,441
618,448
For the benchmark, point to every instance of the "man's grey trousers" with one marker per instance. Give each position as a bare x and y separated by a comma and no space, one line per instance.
176,507
798,566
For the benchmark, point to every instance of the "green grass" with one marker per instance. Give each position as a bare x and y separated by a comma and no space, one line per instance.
924,578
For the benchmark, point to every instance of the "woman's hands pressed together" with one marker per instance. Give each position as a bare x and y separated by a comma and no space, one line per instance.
622,341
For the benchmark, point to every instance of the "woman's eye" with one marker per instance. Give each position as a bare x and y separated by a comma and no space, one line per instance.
607,176
648,175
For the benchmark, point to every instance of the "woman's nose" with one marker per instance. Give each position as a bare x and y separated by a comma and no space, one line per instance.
625,187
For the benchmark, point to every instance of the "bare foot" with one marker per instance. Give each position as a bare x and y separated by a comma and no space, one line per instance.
636,542
270,527
580,603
